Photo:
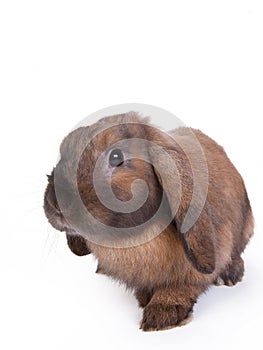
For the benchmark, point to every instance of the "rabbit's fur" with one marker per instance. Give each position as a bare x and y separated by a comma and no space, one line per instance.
169,271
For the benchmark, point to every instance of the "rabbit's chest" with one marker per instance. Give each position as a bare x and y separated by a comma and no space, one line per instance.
144,265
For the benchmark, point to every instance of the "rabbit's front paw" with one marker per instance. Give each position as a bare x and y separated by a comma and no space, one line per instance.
160,317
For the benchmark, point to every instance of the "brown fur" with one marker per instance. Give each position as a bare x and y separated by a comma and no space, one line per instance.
169,272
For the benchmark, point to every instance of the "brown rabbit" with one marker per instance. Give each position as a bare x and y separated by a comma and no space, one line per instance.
204,217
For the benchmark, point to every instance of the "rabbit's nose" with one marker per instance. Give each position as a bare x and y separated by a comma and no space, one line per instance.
52,200
53,211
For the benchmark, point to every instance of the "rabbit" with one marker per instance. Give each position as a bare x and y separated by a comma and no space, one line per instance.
170,261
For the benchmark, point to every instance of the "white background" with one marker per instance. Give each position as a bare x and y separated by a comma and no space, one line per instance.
63,60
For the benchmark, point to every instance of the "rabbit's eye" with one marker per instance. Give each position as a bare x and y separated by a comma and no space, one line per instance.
116,158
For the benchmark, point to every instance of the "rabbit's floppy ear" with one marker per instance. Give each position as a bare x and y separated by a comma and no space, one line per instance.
180,167
77,244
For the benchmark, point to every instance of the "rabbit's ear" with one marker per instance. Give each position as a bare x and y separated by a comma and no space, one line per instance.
176,162
199,243
77,244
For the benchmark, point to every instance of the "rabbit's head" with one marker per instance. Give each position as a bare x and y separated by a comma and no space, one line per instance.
119,177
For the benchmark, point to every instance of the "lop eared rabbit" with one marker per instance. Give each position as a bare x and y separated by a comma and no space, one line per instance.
166,265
